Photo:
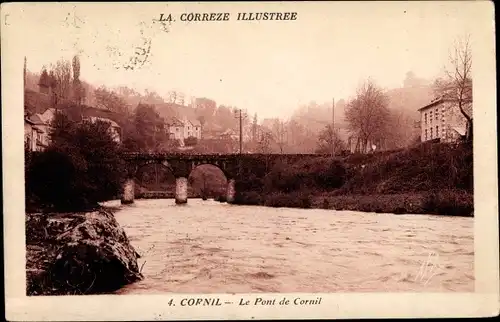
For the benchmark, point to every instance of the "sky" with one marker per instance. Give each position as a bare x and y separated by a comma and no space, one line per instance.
267,67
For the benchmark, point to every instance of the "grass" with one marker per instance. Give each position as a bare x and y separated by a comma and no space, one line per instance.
424,179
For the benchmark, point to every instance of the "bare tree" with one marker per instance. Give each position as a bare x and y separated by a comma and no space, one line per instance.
181,98
109,100
172,97
326,138
367,115
264,144
279,130
62,77
457,85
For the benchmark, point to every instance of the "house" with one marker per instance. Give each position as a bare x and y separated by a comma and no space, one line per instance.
114,128
175,129
441,119
36,137
192,128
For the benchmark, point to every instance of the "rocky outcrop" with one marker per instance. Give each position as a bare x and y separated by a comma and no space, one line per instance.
78,253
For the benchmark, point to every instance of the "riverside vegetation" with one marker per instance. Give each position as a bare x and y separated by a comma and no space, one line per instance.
428,178
74,246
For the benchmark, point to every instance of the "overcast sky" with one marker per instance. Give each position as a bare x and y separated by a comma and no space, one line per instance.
268,67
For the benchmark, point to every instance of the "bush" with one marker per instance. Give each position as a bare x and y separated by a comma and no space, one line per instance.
291,200
421,168
80,168
248,198
449,203
191,141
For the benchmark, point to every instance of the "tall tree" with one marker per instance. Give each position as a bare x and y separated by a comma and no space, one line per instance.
457,85
368,116
150,128
279,132
78,92
61,72
254,128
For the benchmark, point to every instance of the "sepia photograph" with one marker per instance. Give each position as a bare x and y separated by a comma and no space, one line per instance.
251,155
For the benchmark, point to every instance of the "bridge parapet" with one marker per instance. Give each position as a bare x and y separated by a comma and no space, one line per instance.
181,165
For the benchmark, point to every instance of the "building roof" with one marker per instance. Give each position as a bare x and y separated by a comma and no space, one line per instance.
173,121
111,122
434,102
459,129
35,102
36,119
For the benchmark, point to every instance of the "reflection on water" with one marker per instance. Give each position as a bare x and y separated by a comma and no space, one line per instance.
209,247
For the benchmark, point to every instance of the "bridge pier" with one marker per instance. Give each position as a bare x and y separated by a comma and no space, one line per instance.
128,192
230,192
181,190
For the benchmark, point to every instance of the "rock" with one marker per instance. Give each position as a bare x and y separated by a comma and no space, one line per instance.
85,253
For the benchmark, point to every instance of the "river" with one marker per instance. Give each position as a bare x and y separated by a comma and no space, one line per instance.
211,247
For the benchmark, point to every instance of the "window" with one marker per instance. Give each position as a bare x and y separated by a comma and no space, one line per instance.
426,134
425,118
437,114
437,130
431,133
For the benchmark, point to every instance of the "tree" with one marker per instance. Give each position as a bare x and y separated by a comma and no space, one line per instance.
327,137
254,128
172,97
367,115
61,74
279,130
80,168
149,127
109,100
191,141
264,144
457,85
45,80
78,91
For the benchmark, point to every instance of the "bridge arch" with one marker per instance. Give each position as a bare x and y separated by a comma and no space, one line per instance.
154,179
208,180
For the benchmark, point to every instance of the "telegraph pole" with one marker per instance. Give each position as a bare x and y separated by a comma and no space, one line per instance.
241,133
333,127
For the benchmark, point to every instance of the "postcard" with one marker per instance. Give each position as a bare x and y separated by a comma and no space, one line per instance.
254,160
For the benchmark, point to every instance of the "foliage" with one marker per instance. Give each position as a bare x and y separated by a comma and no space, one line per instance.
191,141
292,200
422,168
368,116
80,168
328,138
109,100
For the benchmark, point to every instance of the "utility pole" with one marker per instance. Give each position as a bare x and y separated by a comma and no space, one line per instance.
241,129
333,127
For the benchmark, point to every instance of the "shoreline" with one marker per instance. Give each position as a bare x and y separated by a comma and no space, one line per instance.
444,203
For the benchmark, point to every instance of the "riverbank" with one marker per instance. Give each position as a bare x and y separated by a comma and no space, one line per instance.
77,253
425,179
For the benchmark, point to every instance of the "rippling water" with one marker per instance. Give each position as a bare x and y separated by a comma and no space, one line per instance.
209,247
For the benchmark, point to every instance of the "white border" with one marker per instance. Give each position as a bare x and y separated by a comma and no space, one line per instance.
484,302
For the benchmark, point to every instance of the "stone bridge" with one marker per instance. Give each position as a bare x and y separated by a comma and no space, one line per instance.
181,165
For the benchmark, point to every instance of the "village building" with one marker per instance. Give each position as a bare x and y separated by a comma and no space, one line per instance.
442,120
40,112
